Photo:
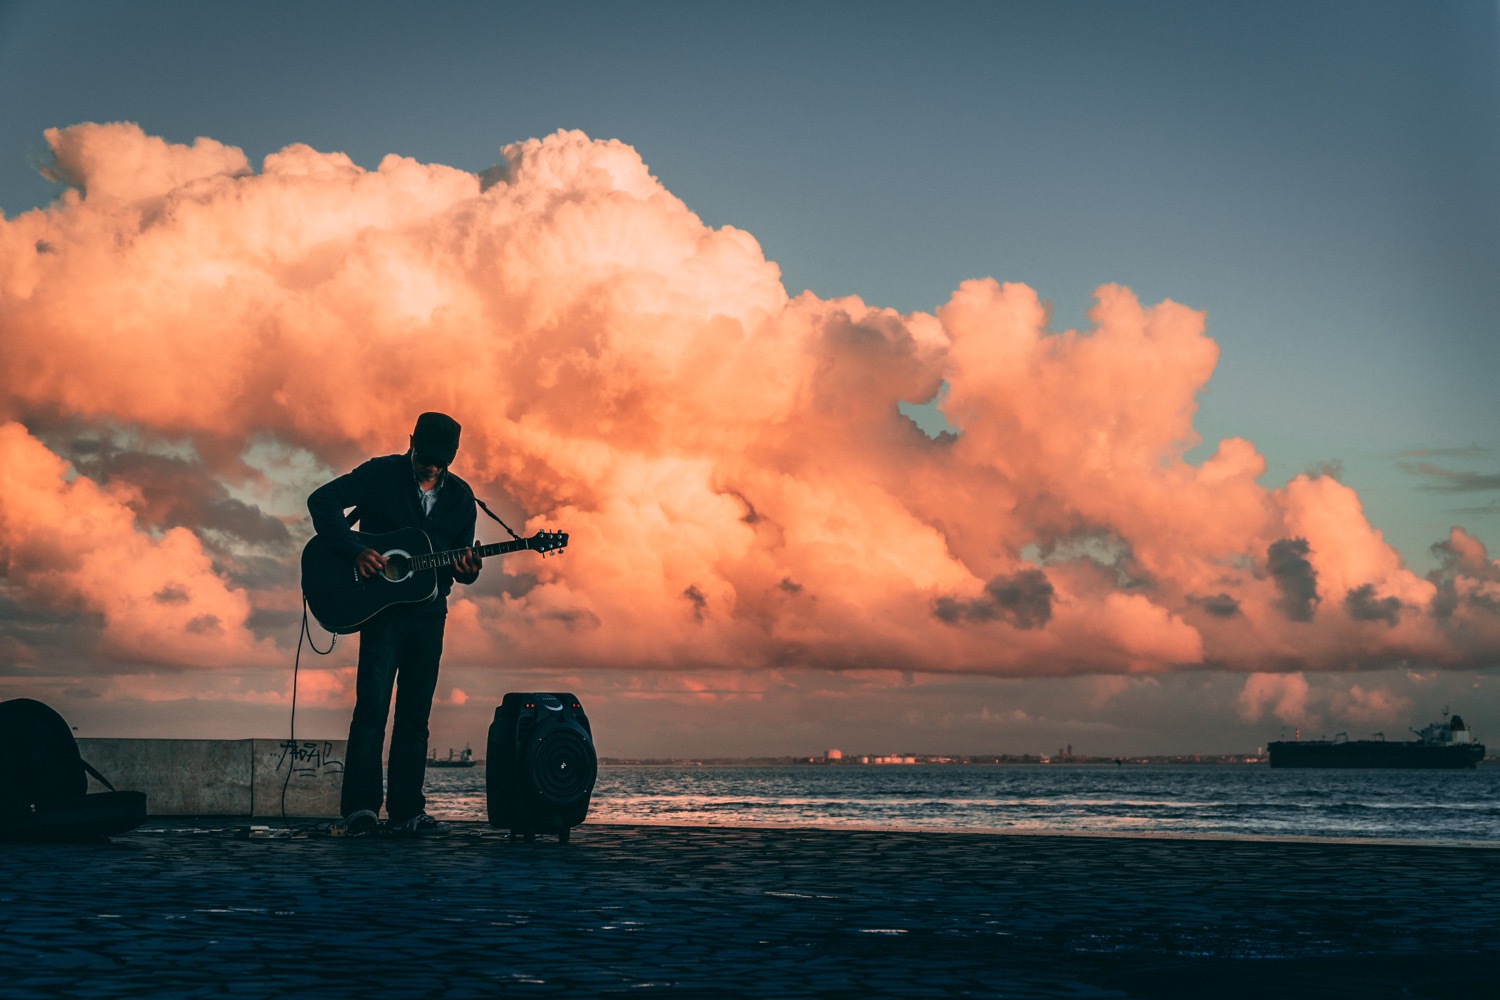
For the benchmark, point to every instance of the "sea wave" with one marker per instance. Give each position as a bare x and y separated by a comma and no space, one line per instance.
1201,800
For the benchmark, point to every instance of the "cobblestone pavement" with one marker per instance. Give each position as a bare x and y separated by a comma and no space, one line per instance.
189,909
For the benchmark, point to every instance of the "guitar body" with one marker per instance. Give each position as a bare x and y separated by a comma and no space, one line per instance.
342,600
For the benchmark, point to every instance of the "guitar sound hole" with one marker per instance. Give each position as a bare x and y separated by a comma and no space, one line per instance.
397,567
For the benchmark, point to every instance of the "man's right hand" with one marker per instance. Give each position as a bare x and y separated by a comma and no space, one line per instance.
369,562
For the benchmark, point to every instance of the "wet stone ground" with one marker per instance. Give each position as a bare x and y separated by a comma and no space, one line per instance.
190,909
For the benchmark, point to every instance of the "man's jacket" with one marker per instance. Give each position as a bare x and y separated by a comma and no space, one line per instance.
386,492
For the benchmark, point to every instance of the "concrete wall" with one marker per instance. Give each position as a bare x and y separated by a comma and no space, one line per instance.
224,777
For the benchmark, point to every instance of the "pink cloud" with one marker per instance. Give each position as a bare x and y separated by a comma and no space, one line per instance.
73,547
739,487
1283,696
1375,706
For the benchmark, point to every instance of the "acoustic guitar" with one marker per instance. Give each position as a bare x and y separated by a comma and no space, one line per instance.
342,600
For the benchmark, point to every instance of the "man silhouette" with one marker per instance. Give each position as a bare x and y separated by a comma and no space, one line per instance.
400,647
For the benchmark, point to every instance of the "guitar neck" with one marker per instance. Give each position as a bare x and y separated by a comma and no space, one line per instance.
436,559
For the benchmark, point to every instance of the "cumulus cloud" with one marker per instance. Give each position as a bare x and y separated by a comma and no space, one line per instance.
1467,583
1373,706
740,486
1283,696
1023,599
1293,700
1362,605
1221,605
1286,561
71,546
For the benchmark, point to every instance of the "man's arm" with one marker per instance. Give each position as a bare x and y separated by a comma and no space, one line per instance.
327,504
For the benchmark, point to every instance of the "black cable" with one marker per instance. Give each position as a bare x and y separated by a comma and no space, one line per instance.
303,633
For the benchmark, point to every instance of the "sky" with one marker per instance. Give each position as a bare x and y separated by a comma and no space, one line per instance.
934,378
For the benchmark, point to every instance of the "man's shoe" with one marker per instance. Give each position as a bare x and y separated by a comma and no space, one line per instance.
360,823
420,825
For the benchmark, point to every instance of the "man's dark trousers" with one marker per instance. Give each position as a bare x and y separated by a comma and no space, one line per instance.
400,648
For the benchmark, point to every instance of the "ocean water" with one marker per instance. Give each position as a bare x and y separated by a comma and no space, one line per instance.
1190,800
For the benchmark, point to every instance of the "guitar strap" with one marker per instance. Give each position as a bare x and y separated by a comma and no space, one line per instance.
353,516
486,508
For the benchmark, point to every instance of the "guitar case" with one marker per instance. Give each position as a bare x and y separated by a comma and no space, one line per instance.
540,766
44,782
75,819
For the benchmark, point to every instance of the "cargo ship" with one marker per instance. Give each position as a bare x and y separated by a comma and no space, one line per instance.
1448,744
460,758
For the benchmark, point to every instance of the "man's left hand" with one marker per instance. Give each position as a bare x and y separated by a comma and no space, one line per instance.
468,562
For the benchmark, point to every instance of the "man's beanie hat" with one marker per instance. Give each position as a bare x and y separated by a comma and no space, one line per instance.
436,437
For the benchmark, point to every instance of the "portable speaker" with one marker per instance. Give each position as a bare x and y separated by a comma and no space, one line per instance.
541,765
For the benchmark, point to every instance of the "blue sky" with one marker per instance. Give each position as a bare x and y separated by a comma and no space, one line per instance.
1323,179
1320,178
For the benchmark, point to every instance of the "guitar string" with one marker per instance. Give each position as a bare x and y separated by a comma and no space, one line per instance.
432,560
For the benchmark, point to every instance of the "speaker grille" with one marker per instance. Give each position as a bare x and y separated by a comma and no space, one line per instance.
561,765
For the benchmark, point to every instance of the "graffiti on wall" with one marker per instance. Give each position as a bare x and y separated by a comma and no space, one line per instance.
309,758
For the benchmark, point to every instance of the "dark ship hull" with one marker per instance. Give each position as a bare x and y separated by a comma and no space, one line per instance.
1374,753
455,758
1448,744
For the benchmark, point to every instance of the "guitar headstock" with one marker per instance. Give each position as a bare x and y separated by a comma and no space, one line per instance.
547,541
